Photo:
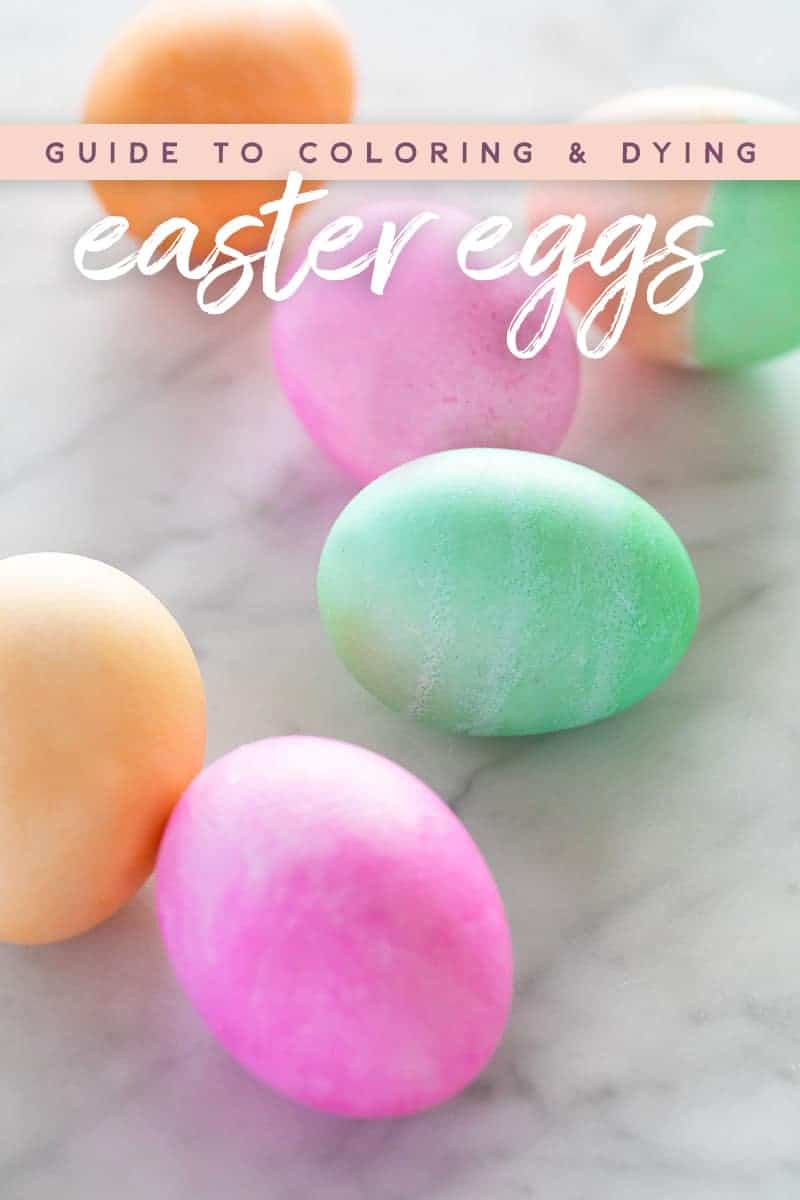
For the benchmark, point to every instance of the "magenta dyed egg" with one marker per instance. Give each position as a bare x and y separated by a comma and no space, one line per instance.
381,379
336,927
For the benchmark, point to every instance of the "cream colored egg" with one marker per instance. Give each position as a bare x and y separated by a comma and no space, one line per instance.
102,727
747,308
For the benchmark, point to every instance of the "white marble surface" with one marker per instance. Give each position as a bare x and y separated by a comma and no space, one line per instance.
650,865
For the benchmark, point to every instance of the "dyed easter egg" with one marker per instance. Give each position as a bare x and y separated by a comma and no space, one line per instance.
498,592
218,62
380,379
102,726
335,926
748,305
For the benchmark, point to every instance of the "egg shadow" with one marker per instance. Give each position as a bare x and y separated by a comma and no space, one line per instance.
111,1056
712,452
650,425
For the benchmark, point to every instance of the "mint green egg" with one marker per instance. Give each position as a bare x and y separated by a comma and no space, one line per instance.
497,592
748,305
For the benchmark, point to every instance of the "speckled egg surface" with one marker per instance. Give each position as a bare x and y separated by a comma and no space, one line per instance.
336,927
748,305
501,592
380,379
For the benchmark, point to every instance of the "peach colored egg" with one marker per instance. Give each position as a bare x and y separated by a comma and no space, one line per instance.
218,61
102,726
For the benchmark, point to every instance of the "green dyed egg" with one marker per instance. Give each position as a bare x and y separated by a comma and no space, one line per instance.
502,592
747,308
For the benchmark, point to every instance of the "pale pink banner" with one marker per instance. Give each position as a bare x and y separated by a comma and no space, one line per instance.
401,152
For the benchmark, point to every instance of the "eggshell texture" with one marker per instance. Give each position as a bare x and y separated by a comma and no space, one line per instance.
336,927
499,592
748,305
379,380
102,726
218,61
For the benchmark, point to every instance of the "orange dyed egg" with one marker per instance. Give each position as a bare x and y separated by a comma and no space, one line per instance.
102,727
226,62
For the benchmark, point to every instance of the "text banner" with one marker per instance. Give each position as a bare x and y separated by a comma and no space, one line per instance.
401,152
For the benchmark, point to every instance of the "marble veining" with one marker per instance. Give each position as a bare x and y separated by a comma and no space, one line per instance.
650,865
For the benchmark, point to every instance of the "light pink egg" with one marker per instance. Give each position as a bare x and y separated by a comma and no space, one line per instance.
380,380
336,927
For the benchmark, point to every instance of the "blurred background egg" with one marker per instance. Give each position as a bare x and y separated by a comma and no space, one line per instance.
218,61
748,305
381,379
102,726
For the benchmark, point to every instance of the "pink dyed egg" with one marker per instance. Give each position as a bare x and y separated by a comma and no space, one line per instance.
380,380
336,927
